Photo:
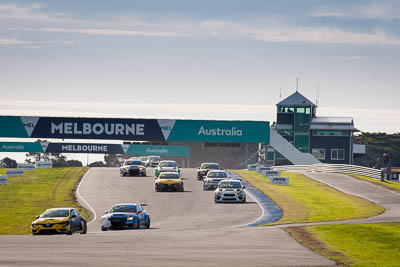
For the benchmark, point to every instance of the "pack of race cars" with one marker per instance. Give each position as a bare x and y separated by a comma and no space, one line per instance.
133,215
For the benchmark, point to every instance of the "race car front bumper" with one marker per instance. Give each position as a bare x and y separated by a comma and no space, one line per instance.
133,172
230,196
169,187
119,223
51,228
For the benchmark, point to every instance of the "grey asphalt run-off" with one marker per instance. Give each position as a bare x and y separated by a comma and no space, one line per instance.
270,211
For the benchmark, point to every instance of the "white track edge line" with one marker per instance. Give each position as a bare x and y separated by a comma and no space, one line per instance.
84,200
259,204
255,199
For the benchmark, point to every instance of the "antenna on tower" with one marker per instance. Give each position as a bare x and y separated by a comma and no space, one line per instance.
297,84
317,94
280,94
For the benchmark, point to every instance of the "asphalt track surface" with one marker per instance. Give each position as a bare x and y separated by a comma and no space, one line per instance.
187,229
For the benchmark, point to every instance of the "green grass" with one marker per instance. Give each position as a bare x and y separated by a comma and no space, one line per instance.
386,184
306,200
361,245
25,197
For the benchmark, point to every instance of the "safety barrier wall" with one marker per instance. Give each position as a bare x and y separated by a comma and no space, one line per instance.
333,168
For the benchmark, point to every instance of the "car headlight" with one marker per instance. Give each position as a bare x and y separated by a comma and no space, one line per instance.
34,224
126,169
130,218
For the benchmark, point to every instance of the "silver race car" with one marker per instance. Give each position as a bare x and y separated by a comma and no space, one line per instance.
152,161
132,168
167,166
213,178
230,191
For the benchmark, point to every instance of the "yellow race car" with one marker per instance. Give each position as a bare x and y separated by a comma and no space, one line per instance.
169,181
59,221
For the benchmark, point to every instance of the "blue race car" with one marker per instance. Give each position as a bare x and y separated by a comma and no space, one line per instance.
125,216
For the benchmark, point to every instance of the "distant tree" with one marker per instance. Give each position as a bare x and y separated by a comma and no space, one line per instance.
97,164
57,158
73,163
8,163
112,160
377,145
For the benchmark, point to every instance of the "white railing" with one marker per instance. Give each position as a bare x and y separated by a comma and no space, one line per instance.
291,153
332,168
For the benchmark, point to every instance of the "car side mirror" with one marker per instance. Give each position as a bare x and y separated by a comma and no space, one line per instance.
106,212
73,216
139,211
37,217
198,168
244,187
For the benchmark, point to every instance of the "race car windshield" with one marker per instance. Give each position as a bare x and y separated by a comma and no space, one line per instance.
168,164
135,162
169,176
154,158
55,213
124,208
210,166
217,175
229,185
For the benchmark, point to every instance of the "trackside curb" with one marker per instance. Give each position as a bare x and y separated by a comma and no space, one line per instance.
82,199
270,211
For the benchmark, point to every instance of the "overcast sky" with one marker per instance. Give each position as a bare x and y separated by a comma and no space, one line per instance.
209,59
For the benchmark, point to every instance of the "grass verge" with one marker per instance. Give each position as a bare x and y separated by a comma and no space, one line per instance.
355,245
306,200
25,197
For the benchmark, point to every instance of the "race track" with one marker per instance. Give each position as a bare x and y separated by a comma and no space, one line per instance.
187,229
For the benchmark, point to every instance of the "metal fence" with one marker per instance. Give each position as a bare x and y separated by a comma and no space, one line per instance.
332,168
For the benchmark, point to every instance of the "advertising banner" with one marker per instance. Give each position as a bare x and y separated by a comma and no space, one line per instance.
44,164
20,147
84,148
14,173
272,174
25,167
3,179
220,131
135,129
157,150
279,180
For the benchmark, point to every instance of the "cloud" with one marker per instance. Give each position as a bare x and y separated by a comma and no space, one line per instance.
270,30
115,32
277,33
383,10
26,13
358,58
12,42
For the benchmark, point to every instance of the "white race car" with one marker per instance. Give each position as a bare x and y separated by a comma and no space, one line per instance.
167,166
230,191
152,161
213,178
132,168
